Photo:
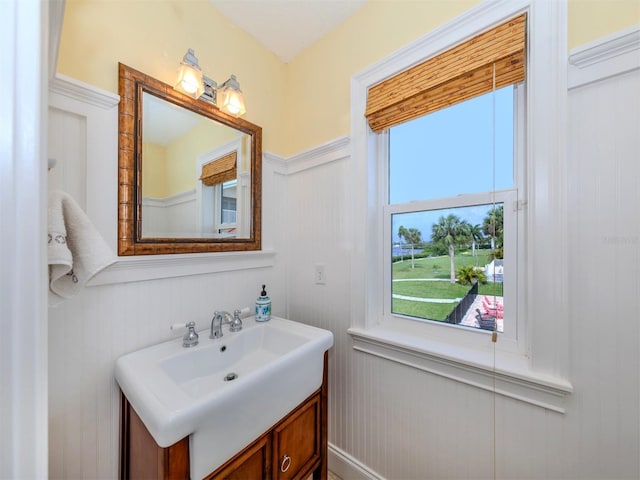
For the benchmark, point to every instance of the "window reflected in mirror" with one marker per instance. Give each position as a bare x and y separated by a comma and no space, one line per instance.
192,166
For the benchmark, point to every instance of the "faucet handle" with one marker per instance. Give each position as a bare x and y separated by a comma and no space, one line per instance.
236,323
190,339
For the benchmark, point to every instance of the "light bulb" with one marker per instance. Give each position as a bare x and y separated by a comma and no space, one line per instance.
234,106
189,83
190,76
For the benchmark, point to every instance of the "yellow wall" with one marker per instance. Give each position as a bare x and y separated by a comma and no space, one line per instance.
154,171
152,36
593,19
183,153
171,170
318,107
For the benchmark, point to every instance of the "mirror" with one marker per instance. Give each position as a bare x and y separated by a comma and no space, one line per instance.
189,174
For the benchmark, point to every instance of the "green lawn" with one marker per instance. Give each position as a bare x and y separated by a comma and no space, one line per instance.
435,268
430,289
431,311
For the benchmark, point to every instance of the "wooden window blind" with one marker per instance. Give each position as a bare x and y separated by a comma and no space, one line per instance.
459,74
219,170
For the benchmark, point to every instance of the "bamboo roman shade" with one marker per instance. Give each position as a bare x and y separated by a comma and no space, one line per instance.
220,170
461,73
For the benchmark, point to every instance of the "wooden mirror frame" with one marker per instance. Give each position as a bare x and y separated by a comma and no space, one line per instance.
131,85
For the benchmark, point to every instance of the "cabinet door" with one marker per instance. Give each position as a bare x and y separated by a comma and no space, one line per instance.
296,442
251,464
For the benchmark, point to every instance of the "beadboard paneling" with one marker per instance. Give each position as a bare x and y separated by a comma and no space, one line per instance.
69,152
87,334
605,271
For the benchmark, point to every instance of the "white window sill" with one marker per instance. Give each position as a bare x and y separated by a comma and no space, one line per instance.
512,375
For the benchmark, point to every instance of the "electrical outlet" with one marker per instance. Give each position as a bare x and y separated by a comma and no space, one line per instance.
320,275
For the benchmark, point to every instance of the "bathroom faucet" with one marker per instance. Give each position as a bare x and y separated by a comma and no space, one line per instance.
224,318
219,319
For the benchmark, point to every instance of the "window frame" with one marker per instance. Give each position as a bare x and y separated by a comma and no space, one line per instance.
514,216
218,207
535,368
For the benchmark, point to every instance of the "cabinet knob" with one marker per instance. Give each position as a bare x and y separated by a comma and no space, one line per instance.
286,463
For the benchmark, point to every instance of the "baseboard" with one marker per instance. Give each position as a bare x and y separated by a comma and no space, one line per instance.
348,468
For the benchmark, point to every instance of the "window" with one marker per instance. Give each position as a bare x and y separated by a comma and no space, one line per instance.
217,193
533,365
450,125
447,224
226,211
229,201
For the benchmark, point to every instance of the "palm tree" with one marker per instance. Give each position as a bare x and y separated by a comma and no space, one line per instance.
412,236
475,234
450,230
493,226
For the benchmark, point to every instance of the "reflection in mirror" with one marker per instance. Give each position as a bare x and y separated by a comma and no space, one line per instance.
193,169
190,175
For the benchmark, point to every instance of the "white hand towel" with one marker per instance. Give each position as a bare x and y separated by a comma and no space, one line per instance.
76,251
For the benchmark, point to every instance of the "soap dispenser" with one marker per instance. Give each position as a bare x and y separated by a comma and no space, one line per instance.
263,306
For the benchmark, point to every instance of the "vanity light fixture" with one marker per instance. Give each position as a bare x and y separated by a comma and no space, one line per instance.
231,98
190,76
192,82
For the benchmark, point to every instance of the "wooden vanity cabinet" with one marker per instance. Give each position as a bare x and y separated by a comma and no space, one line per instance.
252,462
140,455
293,449
296,441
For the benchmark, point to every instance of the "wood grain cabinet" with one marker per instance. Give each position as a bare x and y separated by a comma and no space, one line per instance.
296,441
252,462
293,449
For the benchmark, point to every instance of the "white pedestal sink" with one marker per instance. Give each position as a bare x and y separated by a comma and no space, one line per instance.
226,392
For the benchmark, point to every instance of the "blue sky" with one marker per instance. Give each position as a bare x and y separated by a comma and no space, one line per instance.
450,152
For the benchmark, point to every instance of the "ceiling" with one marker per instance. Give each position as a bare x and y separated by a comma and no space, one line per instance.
286,27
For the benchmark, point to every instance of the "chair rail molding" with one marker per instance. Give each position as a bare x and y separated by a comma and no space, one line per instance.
605,57
336,149
83,92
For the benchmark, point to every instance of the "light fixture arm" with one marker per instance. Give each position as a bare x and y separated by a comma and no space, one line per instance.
191,59
210,90
231,82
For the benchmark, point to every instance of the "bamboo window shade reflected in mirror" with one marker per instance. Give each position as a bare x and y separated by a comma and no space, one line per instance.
220,170
461,73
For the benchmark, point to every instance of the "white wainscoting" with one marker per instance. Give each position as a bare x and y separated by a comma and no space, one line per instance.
164,216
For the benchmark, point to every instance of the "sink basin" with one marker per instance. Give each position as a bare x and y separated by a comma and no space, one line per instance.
223,393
